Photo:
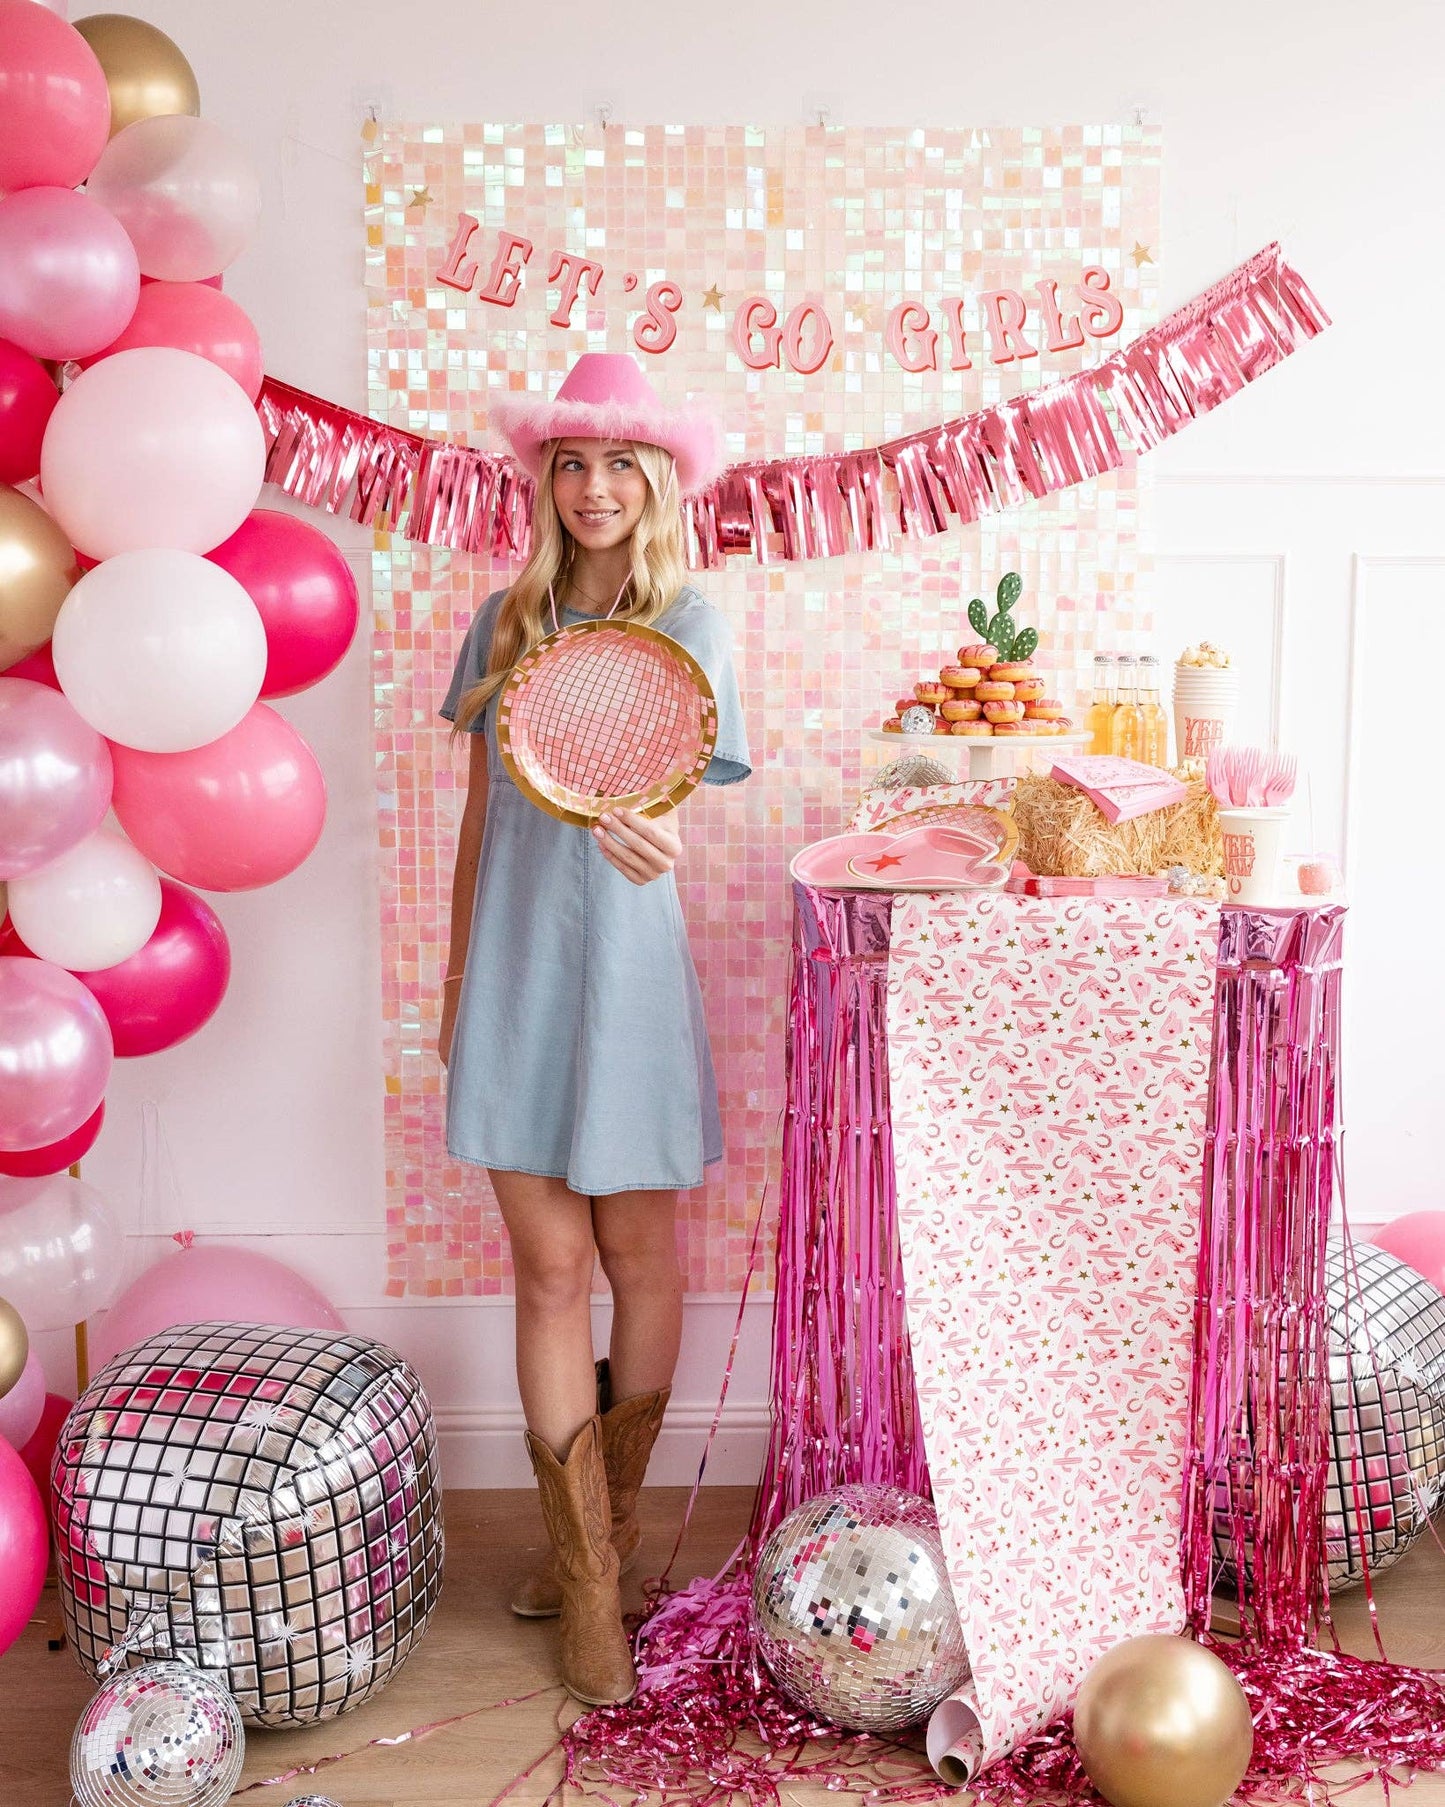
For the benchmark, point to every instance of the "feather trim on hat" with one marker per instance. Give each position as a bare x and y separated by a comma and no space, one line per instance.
692,435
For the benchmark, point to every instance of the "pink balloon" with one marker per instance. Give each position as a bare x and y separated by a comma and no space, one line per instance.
55,1053
211,282
39,1452
172,986
241,812
21,1407
199,1285
1418,1240
184,190
54,101
304,591
191,316
36,1163
68,275
152,448
27,400
24,1529
55,775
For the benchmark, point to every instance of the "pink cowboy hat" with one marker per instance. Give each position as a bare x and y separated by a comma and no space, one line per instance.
606,396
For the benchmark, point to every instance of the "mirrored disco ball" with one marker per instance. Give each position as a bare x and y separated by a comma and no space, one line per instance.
311,1800
162,1736
913,770
1386,1434
1387,1409
261,1502
852,1611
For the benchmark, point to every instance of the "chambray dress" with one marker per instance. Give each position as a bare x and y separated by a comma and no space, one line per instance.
580,1049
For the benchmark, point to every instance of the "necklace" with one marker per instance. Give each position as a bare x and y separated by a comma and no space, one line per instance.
586,595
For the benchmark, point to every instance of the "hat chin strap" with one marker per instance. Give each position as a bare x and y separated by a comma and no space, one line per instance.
616,603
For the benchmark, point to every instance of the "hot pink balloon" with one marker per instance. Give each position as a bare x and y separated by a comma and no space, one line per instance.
241,812
1418,1240
55,775
184,190
39,1452
55,1053
198,1285
190,316
36,668
36,1163
24,1528
152,448
54,101
21,1407
304,591
172,986
68,274
27,399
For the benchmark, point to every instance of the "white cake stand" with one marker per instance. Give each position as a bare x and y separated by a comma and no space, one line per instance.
1001,757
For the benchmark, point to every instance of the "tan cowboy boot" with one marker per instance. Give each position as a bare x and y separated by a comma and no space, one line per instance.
629,1431
596,1661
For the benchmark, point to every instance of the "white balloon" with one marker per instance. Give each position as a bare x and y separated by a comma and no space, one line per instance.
95,906
160,650
62,1250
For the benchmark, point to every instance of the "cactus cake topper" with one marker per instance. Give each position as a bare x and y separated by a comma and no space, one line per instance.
1009,640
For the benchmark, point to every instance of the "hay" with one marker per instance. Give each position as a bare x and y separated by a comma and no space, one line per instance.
1063,835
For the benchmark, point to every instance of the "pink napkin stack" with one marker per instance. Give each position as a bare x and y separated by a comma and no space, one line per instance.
1119,788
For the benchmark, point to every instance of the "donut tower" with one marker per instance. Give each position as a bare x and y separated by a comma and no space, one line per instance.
993,690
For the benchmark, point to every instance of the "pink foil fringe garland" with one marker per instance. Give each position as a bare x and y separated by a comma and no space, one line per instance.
817,507
708,1726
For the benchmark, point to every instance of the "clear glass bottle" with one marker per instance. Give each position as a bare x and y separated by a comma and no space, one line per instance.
1101,711
1153,722
1125,726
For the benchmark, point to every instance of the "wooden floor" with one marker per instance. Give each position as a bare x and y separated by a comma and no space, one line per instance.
475,1652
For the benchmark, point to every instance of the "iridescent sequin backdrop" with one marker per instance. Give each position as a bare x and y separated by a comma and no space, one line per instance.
855,219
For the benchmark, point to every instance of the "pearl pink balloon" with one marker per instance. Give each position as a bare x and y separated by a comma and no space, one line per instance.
200,1284
62,1250
192,316
24,1527
55,1055
68,276
304,590
241,812
27,399
55,1157
21,1407
159,650
171,987
152,447
54,100
93,907
55,777
1417,1239
184,190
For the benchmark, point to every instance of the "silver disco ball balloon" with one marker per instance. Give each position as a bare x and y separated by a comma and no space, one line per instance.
264,1503
852,1611
1387,1409
162,1736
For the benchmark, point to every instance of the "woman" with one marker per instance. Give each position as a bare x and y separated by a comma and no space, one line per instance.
578,1066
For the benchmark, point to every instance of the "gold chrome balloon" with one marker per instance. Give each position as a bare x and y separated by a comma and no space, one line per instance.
37,568
145,71
1161,1722
14,1346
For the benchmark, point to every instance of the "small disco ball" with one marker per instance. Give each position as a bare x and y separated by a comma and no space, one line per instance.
917,720
852,1611
312,1800
162,1736
1386,1429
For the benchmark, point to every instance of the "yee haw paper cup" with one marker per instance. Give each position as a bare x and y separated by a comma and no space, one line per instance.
1253,853
1202,715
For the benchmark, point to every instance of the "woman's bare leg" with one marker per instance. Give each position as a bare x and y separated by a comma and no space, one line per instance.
636,1236
550,1228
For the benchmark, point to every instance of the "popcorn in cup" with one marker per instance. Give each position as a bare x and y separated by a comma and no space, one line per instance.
1253,853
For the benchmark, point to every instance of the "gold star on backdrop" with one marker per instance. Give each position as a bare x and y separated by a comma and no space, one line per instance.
1140,254
420,197
866,316
713,299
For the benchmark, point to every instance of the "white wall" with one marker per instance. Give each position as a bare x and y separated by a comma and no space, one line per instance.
1310,506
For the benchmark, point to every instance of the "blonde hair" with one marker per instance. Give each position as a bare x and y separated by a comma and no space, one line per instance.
659,571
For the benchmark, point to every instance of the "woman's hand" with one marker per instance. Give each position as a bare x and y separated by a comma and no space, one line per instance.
450,994
641,848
